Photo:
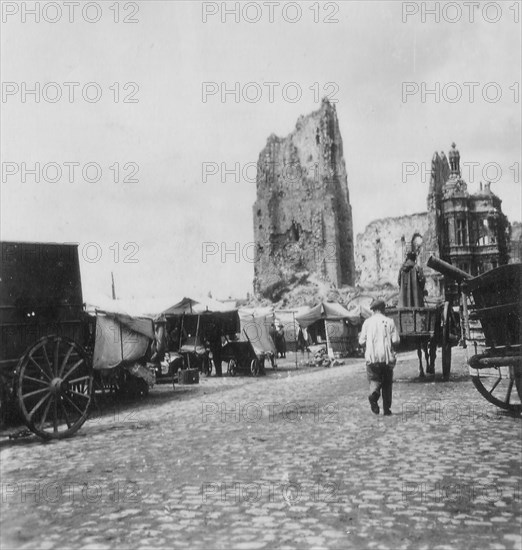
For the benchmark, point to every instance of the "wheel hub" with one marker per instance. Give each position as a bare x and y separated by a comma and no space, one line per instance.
56,385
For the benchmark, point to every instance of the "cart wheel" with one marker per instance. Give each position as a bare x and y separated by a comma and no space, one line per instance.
232,367
54,387
496,385
254,367
446,342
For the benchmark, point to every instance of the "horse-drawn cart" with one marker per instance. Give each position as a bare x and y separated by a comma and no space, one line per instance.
251,348
428,327
45,370
491,330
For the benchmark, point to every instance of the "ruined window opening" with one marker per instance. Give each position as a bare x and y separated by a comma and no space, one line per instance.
461,232
295,231
317,137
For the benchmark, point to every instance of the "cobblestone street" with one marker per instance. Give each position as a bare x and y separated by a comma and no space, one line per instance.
291,460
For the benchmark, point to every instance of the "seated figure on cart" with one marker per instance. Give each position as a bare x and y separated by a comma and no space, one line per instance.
411,283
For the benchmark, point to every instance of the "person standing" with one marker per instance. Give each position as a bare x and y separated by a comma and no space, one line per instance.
379,335
281,340
215,345
411,283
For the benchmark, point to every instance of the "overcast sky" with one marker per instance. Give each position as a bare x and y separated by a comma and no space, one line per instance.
169,131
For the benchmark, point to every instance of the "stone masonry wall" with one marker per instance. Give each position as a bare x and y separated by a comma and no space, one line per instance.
302,215
381,250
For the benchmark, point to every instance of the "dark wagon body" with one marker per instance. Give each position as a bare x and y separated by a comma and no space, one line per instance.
491,330
495,361
44,367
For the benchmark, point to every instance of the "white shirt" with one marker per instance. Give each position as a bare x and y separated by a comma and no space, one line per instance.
379,333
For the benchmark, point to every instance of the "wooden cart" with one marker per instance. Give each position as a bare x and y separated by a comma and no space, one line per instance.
432,326
45,370
491,330
242,356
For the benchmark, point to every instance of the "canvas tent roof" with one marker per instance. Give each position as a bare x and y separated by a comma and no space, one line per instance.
155,308
329,311
198,305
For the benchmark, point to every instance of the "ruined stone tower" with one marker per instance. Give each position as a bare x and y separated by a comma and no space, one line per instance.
302,215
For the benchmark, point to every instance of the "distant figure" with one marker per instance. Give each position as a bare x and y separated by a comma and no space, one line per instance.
302,340
379,335
411,283
272,331
214,333
280,340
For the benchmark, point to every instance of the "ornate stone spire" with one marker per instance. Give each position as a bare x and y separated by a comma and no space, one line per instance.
454,160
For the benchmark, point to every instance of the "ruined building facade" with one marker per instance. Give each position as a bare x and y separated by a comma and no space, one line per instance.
302,215
467,230
473,231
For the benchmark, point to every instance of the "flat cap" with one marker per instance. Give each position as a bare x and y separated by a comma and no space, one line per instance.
377,304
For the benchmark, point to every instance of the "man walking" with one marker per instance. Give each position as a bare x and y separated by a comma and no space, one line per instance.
379,334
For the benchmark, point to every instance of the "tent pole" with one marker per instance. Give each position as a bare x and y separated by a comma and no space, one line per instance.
121,341
197,331
295,338
181,330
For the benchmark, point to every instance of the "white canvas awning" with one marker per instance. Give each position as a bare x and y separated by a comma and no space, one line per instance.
328,311
255,327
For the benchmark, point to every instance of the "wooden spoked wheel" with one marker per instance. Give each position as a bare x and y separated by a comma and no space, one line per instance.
232,367
254,367
54,387
446,341
501,386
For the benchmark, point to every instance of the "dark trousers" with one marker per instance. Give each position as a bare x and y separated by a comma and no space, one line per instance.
380,377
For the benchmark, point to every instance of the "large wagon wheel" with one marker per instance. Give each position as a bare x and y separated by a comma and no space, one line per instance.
254,367
500,386
446,340
54,387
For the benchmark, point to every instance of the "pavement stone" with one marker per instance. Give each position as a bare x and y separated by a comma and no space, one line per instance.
291,460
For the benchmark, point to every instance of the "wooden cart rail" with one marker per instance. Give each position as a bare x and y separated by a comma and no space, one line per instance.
415,322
